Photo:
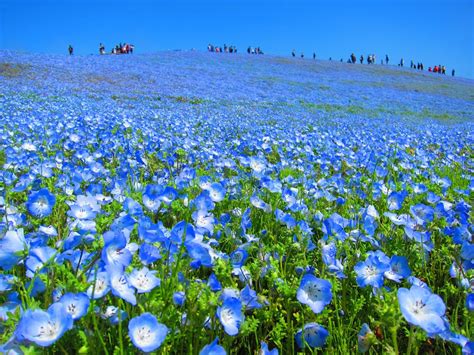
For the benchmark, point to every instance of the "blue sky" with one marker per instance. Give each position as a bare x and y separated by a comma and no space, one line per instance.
434,32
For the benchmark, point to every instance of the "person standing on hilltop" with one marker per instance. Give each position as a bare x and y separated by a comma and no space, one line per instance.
293,53
386,59
314,55
453,72
361,59
71,50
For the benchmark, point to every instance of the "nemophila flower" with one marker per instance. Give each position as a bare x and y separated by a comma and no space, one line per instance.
148,253
6,282
230,315
249,298
422,213
399,268
246,222
313,335
152,197
113,314
314,292
468,348
81,212
395,200
334,265
422,238
213,349
120,285
179,298
200,253
365,338
40,204
422,308
238,258
371,272
400,220
115,251
143,280
204,221
37,258
146,333
11,247
260,204
214,283
216,192
100,285
50,231
203,201
264,350
44,328
470,302
75,304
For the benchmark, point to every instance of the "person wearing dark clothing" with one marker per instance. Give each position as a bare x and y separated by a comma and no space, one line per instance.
353,58
293,53
71,50
361,59
314,55
302,55
453,72
386,58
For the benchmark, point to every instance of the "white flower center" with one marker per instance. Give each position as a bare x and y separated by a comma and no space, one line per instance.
48,331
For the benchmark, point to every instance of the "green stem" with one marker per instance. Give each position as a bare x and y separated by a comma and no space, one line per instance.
410,340
394,339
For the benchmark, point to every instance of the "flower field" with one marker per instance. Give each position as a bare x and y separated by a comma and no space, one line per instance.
186,203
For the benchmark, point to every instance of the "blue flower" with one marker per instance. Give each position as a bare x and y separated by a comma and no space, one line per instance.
314,292
249,298
422,308
265,351
365,338
214,283
101,285
120,286
230,315
75,304
238,258
11,247
115,252
146,333
313,335
470,302
179,298
143,280
371,272
399,269
40,204
216,192
213,349
44,328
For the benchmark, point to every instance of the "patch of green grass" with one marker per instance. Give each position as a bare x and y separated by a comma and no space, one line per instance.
12,70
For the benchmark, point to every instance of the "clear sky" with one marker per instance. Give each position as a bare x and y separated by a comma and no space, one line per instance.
433,32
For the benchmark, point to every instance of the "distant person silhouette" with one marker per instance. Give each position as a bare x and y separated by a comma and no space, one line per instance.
293,54
71,50
361,59
314,55
386,59
453,72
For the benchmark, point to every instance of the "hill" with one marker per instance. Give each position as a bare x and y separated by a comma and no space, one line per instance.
203,203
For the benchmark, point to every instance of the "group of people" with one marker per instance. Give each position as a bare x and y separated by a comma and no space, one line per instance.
225,49
118,49
256,50
293,54
440,69
121,48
